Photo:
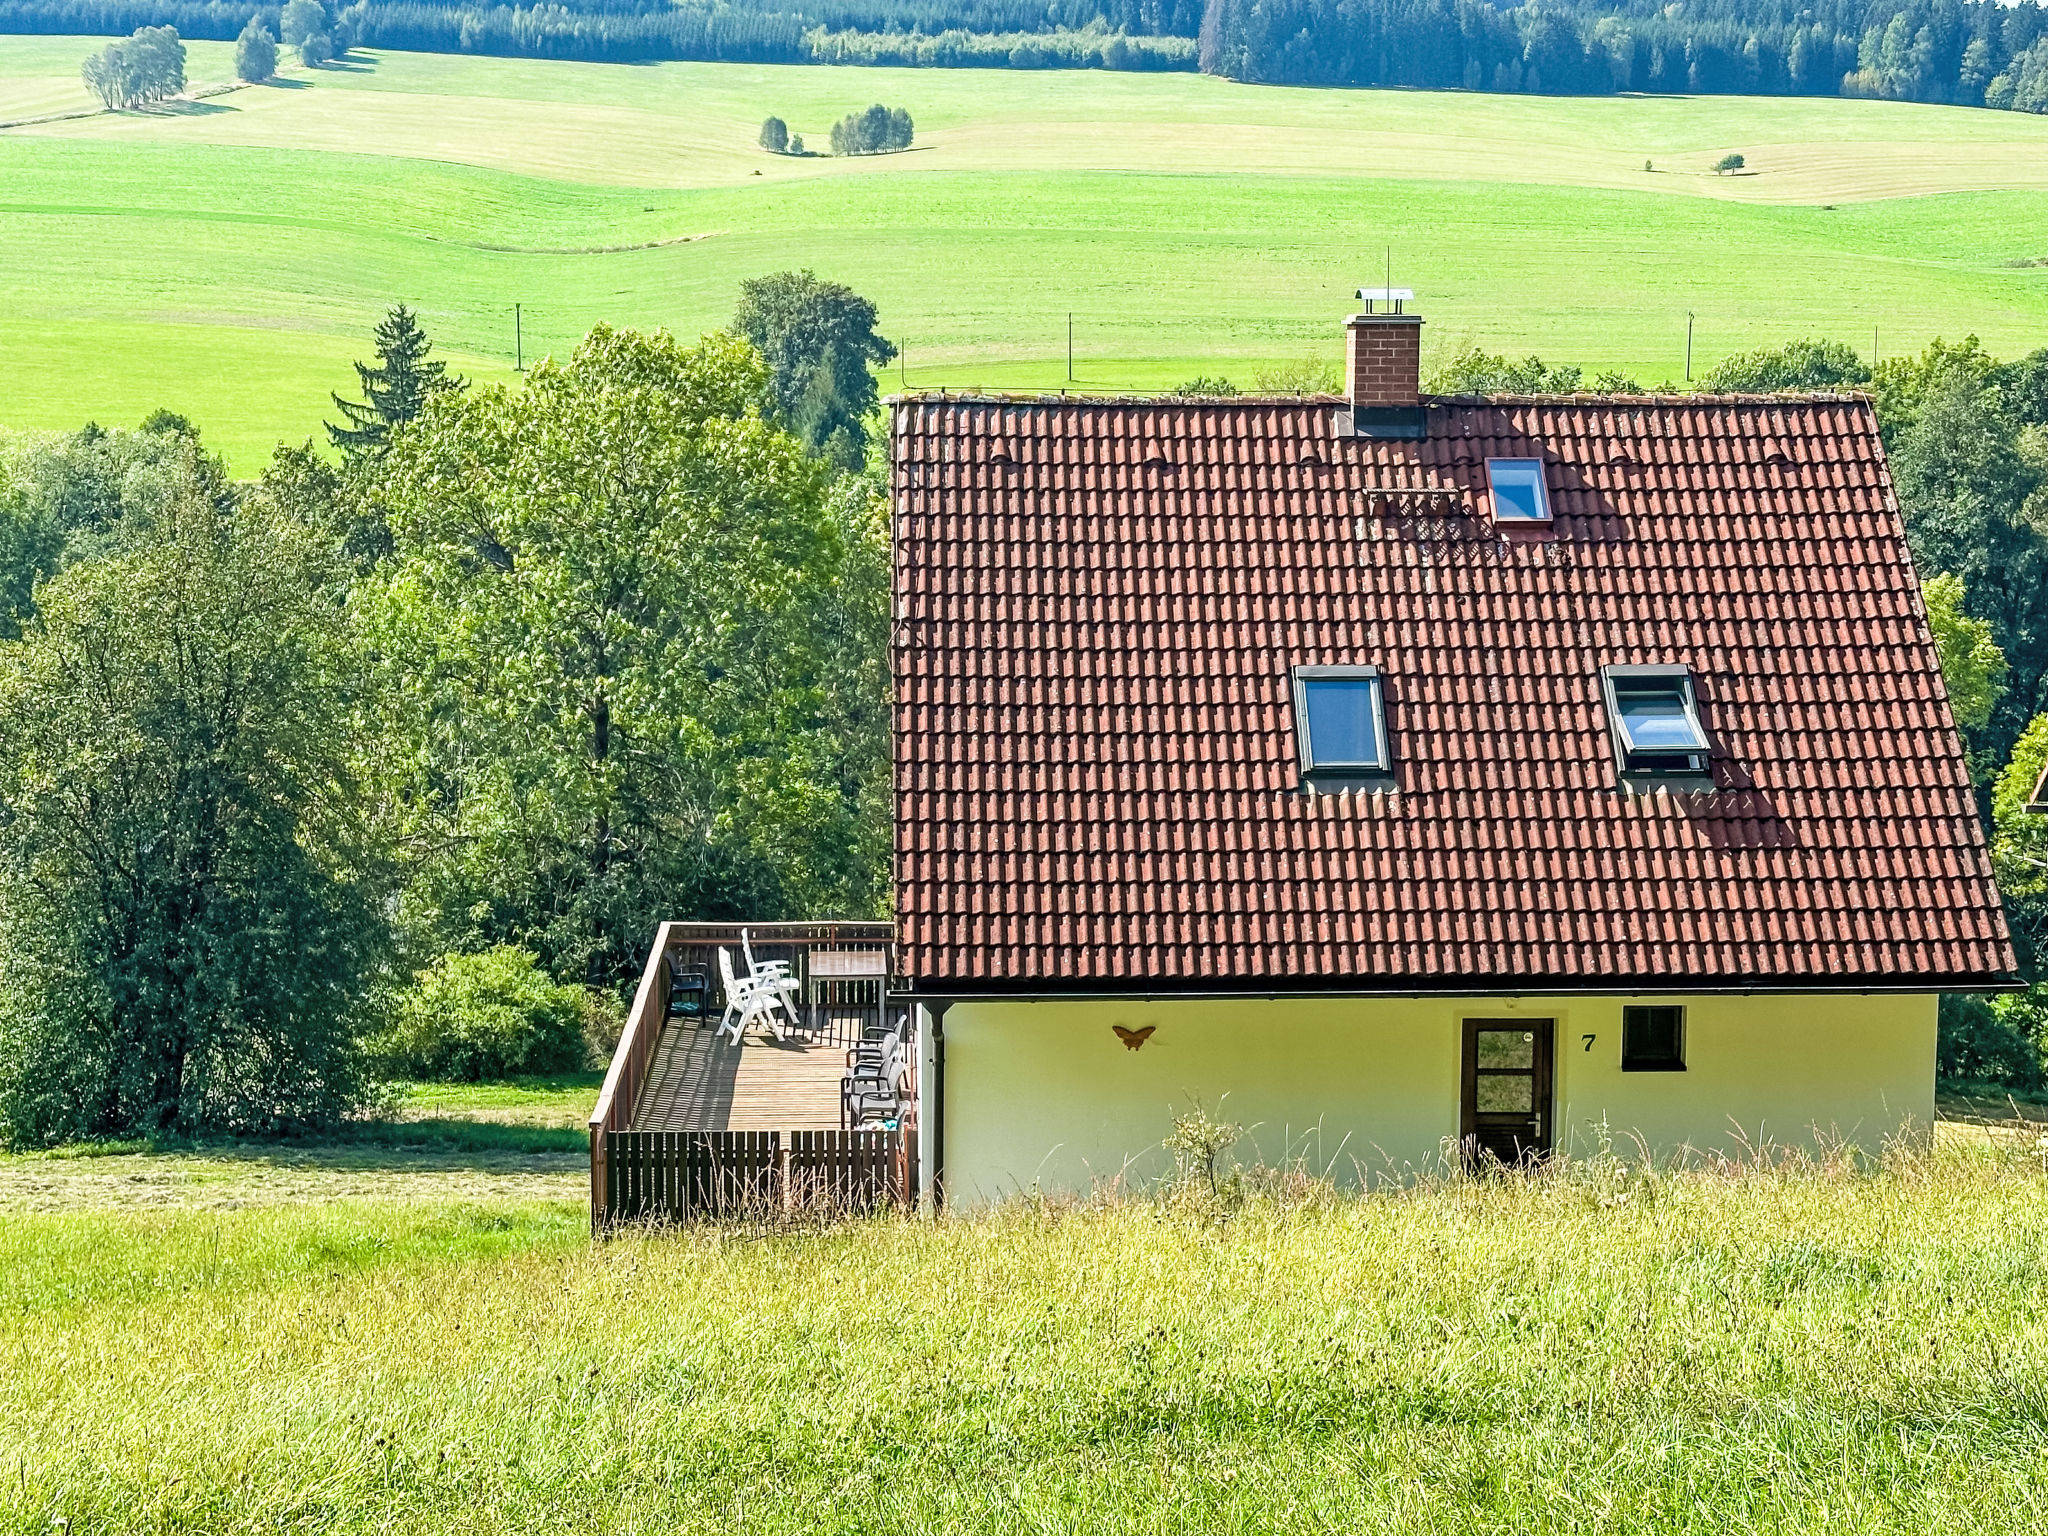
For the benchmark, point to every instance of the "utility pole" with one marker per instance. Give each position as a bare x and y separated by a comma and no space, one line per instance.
1688,346
1070,346
518,343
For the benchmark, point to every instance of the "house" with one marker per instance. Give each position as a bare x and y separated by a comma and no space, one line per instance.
1394,774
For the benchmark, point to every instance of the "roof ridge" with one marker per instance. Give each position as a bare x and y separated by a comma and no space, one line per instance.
1577,397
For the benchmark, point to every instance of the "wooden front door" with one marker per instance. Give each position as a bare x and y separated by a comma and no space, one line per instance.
1506,1110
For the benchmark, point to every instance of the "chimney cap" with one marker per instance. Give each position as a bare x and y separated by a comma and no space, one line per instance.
1393,298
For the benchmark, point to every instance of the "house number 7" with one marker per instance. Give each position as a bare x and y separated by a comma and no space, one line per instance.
1589,1042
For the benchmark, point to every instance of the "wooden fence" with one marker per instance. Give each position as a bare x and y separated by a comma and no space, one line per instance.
682,1175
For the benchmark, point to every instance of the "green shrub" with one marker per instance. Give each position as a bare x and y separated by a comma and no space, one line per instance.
497,1014
1993,1040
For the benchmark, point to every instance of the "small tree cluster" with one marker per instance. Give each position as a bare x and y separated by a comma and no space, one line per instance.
146,67
255,52
1728,163
775,136
318,32
873,132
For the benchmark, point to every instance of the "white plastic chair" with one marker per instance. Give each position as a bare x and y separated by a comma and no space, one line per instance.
771,976
745,1001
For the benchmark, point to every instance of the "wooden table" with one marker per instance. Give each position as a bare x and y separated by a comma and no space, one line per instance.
848,965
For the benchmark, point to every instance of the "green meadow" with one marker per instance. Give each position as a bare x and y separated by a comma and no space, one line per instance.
227,257
1811,1349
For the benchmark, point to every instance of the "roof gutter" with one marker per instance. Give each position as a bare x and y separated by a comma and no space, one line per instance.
1661,986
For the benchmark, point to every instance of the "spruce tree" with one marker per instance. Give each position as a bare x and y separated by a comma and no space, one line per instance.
394,390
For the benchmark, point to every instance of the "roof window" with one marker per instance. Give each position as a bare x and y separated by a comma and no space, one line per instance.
1518,491
1656,720
1340,722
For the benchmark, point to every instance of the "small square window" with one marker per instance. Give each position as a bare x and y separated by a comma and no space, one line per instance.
1339,720
1656,720
1519,495
1652,1039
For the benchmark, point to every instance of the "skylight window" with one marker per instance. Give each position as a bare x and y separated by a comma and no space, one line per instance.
1656,720
1519,495
1340,721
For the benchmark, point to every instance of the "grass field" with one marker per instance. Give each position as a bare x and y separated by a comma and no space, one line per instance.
229,258
1754,1350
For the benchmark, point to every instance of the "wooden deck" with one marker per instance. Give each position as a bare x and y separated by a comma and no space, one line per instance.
700,1082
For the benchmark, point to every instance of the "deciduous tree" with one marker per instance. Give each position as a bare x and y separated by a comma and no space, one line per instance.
1808,365
255,52
639,647
821,346
189,918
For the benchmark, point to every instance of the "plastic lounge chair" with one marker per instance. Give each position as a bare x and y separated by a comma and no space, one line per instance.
773,977
745,1001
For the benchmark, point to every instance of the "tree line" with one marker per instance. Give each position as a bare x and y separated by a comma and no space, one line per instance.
1968,52
1067,48
629,30
354,763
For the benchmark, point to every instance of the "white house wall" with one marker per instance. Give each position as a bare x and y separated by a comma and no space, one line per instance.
1046,1095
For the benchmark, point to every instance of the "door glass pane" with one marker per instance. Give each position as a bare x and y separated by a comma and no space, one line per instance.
1509,1095
1507,1048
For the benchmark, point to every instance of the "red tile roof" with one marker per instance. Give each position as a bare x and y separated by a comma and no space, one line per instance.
1097,786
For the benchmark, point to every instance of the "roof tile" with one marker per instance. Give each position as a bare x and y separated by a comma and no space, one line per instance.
1098,603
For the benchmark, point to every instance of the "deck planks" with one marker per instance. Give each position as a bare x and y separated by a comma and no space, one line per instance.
700,1082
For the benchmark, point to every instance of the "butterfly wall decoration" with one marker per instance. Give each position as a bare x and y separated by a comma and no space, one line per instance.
1133,1038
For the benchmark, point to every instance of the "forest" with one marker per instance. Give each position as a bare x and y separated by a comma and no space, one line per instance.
1962,52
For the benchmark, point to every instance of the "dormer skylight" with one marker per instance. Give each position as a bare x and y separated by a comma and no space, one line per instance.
1517,491
1340,722
1655,718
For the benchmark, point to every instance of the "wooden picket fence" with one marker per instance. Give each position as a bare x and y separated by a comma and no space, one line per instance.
685,1175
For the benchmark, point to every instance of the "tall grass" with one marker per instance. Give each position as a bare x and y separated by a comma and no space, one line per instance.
1818,1348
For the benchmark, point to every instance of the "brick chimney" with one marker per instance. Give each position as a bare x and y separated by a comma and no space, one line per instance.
1383,364
1383,368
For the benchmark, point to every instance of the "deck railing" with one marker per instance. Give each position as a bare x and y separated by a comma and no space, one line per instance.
681,1175
619,1153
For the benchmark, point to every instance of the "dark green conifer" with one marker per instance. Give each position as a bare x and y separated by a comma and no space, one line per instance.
395,389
